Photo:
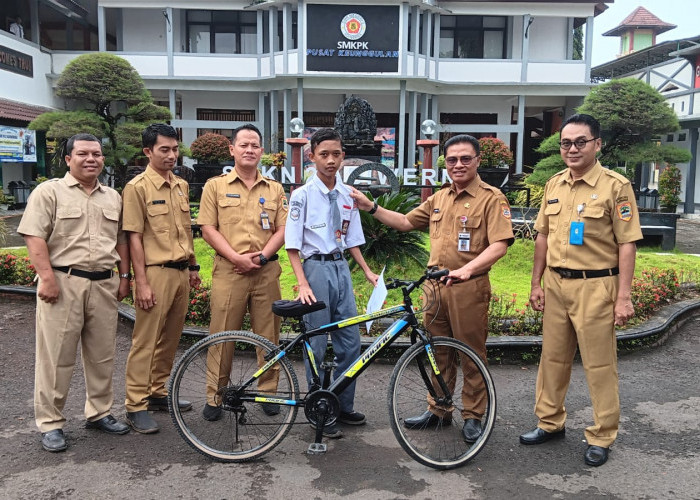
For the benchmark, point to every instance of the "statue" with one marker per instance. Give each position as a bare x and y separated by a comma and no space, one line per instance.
356,122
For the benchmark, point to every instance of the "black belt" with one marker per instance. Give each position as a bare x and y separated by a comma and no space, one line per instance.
326,256
91,275
183,264
575,274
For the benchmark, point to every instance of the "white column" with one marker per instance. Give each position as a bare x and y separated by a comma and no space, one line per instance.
402,127
101,29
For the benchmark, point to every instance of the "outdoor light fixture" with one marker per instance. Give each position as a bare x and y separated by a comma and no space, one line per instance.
296,126
428,128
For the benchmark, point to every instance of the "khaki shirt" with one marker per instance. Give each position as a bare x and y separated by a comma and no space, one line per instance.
159,210
81,229
609,213
488,221
235,211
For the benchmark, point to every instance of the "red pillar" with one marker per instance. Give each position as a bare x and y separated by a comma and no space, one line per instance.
427,145
297,144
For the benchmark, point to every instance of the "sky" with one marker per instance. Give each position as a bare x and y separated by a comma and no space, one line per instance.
685,14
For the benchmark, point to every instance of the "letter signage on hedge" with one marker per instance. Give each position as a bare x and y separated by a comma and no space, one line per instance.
357,38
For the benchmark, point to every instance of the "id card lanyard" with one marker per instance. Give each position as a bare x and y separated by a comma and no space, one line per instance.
464,236
264,217
576,231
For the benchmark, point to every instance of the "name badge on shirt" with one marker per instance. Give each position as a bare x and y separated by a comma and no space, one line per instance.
265,220
576,233
158,202
464,236
344,226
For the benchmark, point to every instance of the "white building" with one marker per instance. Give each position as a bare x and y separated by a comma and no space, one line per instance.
504,68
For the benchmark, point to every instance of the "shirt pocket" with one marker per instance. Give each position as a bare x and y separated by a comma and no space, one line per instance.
476,232
435,222
158,217
109,224
553,213
229,210
70,221
271,208
594,220
186,216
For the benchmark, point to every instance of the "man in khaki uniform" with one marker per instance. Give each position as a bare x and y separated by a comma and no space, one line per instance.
470,229
242,216
73,235
157,216
584,263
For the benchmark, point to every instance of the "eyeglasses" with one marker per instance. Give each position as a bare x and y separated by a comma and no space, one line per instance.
451,161
579,143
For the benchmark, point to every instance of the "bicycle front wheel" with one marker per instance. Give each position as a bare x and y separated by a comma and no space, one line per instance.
225,423
440,442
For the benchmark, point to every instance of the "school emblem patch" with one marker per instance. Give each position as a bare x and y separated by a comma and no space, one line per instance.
506,212
624,211
294,213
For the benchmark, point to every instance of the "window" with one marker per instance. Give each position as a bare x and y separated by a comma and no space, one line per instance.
473,37
226,115
280,31
420,20
681,137
221,32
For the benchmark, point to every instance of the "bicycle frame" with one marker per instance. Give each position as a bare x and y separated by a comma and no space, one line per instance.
406,321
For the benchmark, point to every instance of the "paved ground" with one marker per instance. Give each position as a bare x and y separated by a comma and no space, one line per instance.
656,455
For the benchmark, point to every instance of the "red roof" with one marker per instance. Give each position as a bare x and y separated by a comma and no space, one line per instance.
19,111
640,18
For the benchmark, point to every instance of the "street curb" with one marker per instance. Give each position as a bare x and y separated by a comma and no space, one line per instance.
659,324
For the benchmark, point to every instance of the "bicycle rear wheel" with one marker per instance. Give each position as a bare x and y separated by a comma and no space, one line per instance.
441,446
243,430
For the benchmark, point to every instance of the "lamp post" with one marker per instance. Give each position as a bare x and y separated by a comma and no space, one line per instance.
428,128
296,127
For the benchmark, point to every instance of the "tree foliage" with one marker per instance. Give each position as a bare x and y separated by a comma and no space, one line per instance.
112,102
211,148
631,113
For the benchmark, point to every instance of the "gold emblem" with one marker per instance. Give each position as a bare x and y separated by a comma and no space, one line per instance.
466,205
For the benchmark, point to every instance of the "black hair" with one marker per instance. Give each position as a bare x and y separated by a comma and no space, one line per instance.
150,134
463,138
70,143
247,126
583,119
325,134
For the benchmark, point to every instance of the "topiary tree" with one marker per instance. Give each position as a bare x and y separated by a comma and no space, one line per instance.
669,188
211,148
115,105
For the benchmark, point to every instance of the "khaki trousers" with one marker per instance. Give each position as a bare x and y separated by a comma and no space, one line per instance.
579,311
232,295
156,336
462,313
86,312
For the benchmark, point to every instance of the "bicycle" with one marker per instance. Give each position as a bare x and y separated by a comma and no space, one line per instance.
248,428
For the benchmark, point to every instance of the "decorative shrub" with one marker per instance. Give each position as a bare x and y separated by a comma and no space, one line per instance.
273,159
655,288
669,188
199,310
211,148
495,153
16,271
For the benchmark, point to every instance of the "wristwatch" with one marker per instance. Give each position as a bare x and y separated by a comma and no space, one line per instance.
194,267
374,208
263,260
126,276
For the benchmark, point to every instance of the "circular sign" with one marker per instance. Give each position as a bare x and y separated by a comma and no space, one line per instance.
353,26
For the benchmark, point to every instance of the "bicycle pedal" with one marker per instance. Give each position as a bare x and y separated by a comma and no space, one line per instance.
317,448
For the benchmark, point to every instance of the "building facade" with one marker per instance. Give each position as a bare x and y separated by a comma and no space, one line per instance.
499,68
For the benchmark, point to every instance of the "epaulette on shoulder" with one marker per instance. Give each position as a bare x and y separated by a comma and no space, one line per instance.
615,175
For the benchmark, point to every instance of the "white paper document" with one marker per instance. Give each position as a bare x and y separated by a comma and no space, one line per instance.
376,300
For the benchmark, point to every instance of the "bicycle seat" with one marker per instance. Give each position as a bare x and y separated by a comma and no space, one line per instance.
295,308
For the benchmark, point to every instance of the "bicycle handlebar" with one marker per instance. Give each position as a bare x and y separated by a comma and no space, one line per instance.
430,274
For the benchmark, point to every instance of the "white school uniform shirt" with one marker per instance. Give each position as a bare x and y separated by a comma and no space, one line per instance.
309,223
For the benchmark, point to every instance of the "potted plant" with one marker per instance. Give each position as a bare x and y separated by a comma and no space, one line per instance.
496,160
669,189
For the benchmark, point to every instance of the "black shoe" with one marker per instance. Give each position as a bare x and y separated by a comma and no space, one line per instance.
54,440
352,418
271,409
108,424
595,455
428,419
471,430
142,422
331,431
161,404
212,413
539,436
